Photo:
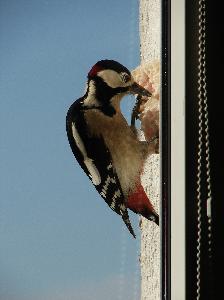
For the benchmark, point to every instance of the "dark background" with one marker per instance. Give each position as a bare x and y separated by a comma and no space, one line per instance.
211,280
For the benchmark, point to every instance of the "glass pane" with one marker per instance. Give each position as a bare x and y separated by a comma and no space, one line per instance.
64,235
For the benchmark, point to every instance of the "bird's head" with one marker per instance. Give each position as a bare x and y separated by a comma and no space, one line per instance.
108,79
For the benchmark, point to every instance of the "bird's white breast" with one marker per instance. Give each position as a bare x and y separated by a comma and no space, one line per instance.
122,143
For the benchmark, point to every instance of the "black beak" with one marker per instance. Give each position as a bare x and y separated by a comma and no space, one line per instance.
139,90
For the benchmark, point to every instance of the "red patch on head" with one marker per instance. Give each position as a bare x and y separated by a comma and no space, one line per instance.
95,69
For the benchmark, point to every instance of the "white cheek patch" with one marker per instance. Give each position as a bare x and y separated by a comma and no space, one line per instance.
86,88
92,88
93,172
91,100
111,77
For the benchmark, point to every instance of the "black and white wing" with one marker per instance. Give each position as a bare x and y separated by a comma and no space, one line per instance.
94,157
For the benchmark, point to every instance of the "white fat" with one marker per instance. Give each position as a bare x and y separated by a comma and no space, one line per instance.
93,172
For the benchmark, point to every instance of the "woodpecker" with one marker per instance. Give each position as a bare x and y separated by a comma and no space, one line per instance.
105,146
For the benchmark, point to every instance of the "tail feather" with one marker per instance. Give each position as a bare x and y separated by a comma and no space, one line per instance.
152,216
127,222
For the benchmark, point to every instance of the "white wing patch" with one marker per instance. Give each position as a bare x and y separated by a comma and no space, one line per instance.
93,172
116,194
91,99
109,166
122,209
106,185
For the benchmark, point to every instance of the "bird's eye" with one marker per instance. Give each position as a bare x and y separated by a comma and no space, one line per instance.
125,77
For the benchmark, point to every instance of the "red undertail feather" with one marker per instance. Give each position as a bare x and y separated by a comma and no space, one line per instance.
139,203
